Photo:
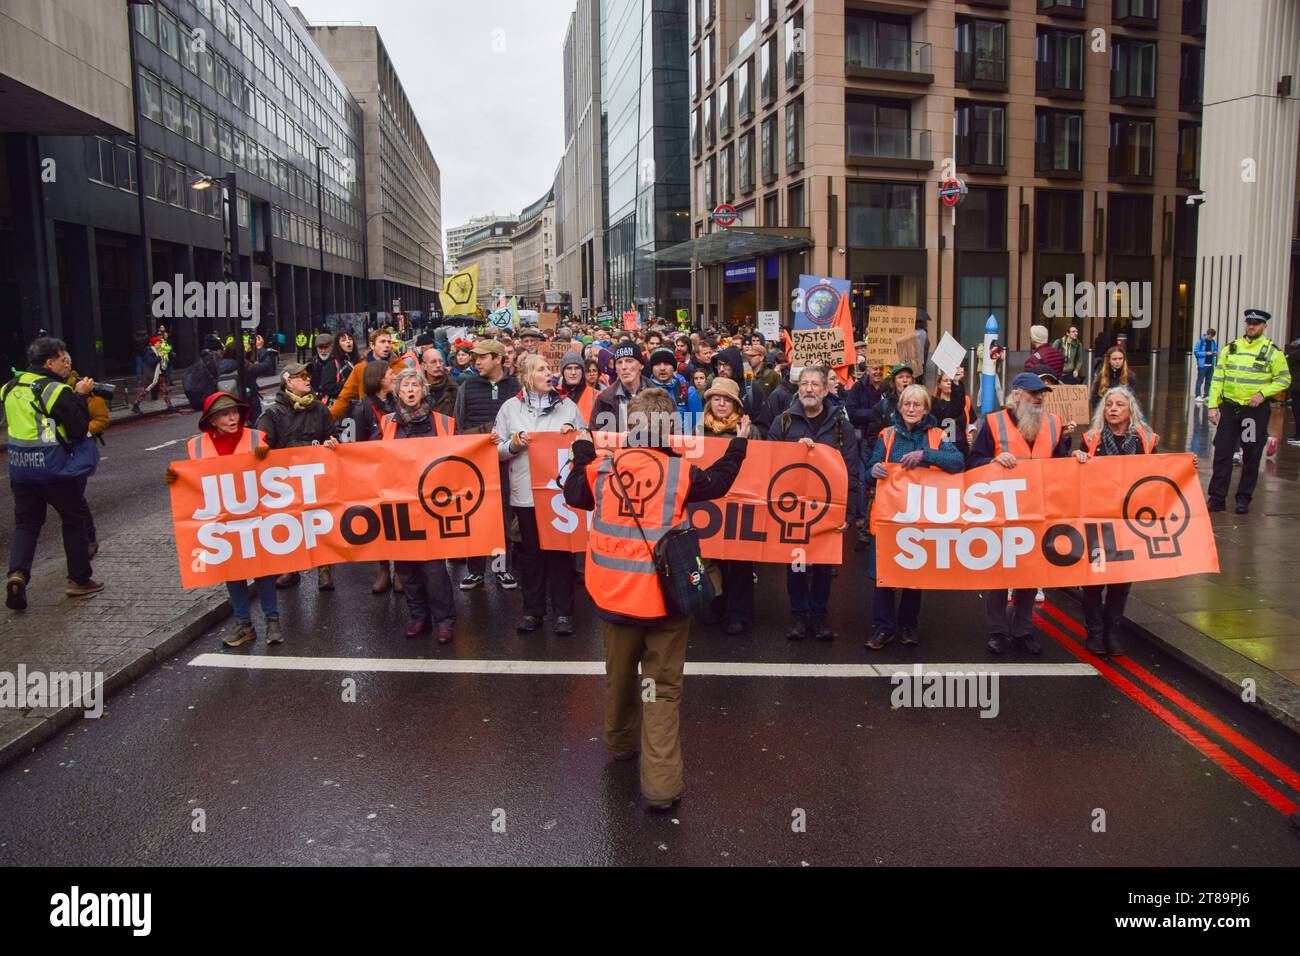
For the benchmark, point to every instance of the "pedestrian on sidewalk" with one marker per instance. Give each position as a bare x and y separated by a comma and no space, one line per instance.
542,573
1071,347
639,631
1115,370
1118,428
426,585
1251,370
50,453
914,440
156,369
1020,431
1206,351
222,432
296,419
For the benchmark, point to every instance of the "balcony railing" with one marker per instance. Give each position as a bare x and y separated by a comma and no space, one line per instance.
888,143
892,56
981,71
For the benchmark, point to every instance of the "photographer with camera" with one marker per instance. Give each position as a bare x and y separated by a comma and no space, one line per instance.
50,453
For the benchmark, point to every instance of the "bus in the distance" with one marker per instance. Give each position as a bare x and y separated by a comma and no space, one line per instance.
554,300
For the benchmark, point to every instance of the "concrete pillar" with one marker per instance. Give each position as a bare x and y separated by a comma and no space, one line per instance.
1248,163
83,328
36,265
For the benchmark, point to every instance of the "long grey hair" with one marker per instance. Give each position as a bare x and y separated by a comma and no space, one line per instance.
1136,419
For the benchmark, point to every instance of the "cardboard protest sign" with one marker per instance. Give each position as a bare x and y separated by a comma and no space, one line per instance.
631,320
909,353
1045,523
886,324
787,500
413,499
554,352
818,347
548,321
1069,403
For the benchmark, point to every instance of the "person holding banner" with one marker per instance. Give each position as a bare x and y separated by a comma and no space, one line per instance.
222,432
574,383
537,408
914,440
813,420
636,490
1118,428
1020,430
723,418
365,417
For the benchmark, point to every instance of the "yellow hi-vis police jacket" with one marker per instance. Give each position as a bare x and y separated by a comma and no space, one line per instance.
1247,367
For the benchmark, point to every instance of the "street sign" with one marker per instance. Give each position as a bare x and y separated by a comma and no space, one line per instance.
952,191
725,214
397,305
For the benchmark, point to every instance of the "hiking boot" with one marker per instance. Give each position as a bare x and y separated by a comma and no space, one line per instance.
273,633
471,582
325,577
81,589
444,632
1111,639
384,581
507,581
243,634
16,592
289,580
1095,643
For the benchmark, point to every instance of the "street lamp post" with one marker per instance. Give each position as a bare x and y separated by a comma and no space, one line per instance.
235,267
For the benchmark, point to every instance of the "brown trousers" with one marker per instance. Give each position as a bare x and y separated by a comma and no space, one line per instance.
661,651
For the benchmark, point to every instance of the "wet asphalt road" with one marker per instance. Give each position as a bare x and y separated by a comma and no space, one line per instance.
421,765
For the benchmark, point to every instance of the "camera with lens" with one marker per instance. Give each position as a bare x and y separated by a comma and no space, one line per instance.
104,390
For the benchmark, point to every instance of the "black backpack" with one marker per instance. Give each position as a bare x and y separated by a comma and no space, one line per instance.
201,377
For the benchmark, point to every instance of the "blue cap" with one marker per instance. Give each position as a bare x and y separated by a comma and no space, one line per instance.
1029,382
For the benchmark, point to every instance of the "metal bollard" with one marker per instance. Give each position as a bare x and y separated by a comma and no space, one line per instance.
1090,365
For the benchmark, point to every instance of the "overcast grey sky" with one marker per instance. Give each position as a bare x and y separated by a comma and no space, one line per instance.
486,83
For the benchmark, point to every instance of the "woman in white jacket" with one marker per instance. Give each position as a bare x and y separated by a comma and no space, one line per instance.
537,408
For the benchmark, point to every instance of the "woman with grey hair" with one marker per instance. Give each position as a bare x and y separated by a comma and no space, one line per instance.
425,584
1118,428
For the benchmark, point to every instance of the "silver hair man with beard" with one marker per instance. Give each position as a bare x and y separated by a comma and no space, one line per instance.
1021,430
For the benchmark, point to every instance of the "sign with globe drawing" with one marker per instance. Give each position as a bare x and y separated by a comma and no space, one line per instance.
817,300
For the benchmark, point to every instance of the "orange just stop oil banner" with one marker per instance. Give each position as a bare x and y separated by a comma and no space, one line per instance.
1044,523
412,499
787,502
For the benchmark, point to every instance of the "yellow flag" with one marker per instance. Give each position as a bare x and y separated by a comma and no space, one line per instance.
459,294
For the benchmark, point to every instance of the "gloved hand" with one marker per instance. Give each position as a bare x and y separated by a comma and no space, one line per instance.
260,452
171,476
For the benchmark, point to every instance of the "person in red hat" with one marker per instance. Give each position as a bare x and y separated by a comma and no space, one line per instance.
222,432
157,365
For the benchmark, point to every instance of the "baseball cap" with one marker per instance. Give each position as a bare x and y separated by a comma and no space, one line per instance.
294,369
1029,382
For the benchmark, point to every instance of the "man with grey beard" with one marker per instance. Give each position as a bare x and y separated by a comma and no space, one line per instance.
1021,430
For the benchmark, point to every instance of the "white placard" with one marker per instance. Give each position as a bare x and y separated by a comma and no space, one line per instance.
948,355
769,324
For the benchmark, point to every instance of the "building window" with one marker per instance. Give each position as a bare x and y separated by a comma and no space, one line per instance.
175,176
767,58
710,182
980,296
210,131
771,205
146,23
1132,147
706,59
795,206
794,48
710,131
1191,77
226,139
1128,225
1134,12
150,97
726,184
1194,17
1058,142
1059,63
1189,154
878,41
1058,221
767,144
745,158
694,74
167,34
223,78
981,53
206,66
189,55
745,90
153,177
981,136
794,135
693,16
695,133
982,225
172,112
884,215
724,109
124,157
219,15
1070,8
1133,71
879,128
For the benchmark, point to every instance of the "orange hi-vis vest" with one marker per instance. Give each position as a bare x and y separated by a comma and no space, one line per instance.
934,436
202,446
620,569
585,403
1092,439
1007,437
442,426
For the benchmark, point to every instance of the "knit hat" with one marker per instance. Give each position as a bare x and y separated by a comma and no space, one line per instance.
1038,334
628,349
571,357
663,355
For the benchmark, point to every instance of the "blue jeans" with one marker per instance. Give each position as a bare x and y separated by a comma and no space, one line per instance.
238,591
1203,375
809,590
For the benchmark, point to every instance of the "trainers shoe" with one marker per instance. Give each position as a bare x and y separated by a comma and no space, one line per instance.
1270,449
1030,644
273,633
1215,504
1293,441
289,580
997,644
734,628
528,623
881,637
507,581
243,634
798,630
444,632
471,582
563,625
1040,597
1200,400
822,631
325,578
16,592
1236,457
84,588
909,637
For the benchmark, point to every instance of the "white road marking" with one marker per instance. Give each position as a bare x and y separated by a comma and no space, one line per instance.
597,668
165,444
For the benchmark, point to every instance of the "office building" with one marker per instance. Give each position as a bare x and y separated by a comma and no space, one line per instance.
456,235
533,252
489,247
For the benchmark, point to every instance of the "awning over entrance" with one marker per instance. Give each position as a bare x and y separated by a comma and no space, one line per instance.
729,245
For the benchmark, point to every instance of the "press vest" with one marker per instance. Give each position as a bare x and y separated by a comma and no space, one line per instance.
934,436
28,428
442,426
1092,439
1007,437
620,567
202,446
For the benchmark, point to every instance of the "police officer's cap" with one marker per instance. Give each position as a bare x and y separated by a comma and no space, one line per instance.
1257,315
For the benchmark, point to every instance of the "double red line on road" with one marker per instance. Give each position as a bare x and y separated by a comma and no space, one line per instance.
1144,699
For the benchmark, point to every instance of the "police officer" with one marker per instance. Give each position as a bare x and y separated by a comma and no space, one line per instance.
49,455
1251,370
301,341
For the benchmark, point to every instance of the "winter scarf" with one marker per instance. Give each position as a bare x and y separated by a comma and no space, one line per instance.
300,403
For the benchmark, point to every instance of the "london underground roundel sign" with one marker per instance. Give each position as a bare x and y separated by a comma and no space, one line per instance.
725,214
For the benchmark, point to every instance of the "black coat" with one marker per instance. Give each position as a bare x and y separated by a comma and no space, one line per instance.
834,429
288,427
